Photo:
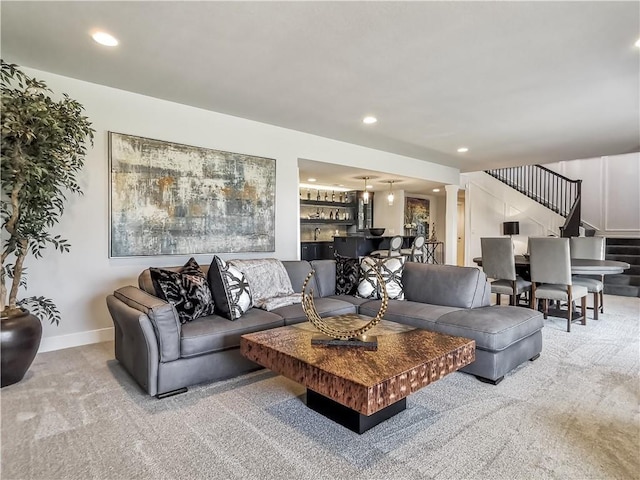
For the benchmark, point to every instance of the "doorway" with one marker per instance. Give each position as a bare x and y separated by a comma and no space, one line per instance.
461,232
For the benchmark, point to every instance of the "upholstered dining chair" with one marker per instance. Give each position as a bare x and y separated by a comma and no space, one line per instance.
416,252
550,264
592,248
498,262
395,245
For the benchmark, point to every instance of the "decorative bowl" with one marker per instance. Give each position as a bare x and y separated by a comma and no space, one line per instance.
376,232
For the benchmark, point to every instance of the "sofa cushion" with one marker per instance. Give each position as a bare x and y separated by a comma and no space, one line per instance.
231,291
390,269
187,290
493,328
298,271
325,277
326,307
449,285
215,333
347,275
420,315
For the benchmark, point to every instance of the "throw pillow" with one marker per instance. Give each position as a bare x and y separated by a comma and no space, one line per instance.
390,270
347,275
230,289
187,290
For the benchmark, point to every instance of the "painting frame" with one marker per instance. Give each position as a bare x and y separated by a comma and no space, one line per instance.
169,198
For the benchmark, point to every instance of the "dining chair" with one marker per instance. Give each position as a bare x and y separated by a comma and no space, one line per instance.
592,248
416,252
498,262
395,245
550,264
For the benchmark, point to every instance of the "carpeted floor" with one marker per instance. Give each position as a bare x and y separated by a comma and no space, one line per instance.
572,414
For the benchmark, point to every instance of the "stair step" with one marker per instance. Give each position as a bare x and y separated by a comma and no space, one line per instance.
634,270
622,290
622,279
630,259
622,241
623,249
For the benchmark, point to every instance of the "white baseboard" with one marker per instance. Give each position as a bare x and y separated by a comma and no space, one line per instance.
49,344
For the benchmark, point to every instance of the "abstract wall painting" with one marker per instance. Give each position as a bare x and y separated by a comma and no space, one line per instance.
174,199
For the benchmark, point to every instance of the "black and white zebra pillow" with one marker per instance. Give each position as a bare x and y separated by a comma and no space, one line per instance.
230,289
187,290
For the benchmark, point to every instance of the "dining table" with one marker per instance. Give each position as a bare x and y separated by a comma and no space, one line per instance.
579,266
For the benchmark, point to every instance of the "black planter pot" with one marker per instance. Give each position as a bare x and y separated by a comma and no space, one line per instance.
19,342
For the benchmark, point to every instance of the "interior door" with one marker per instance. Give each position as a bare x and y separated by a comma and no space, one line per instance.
461,259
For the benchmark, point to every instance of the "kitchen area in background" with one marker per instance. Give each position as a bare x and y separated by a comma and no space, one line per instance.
355,212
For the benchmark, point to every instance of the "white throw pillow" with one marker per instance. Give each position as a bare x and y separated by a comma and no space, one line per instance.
390,269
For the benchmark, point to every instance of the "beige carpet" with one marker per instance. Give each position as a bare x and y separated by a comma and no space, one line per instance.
572,414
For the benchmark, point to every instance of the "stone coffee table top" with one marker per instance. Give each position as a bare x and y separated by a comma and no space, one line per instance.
407,359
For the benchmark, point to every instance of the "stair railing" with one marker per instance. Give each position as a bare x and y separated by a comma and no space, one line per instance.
550,189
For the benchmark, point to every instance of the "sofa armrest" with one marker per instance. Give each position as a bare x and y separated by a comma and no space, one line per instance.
163,316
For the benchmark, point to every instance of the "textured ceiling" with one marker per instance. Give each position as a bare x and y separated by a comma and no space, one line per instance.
516,82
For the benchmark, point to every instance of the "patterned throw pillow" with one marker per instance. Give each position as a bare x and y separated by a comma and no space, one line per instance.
390,270
230,289
187,290
347,275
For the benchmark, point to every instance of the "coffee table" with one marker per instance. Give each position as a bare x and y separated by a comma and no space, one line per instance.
354,387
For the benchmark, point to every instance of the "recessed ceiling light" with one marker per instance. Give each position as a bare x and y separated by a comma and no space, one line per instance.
638,43
103,38
311,179
436,190
463,150
369,120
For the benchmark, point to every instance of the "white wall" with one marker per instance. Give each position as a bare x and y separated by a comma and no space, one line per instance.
80,280
392,217
389,217
489,203
610,192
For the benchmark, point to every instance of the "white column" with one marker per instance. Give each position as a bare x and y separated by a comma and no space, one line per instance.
451,226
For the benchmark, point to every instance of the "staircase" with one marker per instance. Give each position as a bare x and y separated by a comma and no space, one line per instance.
550,189
627,283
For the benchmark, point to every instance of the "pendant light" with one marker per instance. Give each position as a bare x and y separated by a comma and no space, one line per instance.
391,196
365,194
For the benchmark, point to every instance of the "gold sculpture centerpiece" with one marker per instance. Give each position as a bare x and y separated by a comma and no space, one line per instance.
354,337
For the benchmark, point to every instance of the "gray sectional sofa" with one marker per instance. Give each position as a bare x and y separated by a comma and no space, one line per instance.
165,356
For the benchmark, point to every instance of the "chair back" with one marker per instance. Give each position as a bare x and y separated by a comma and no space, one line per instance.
418,242
591,248
498,261
549,260
395,244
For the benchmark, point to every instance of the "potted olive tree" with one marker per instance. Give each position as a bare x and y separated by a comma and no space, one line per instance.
43,148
